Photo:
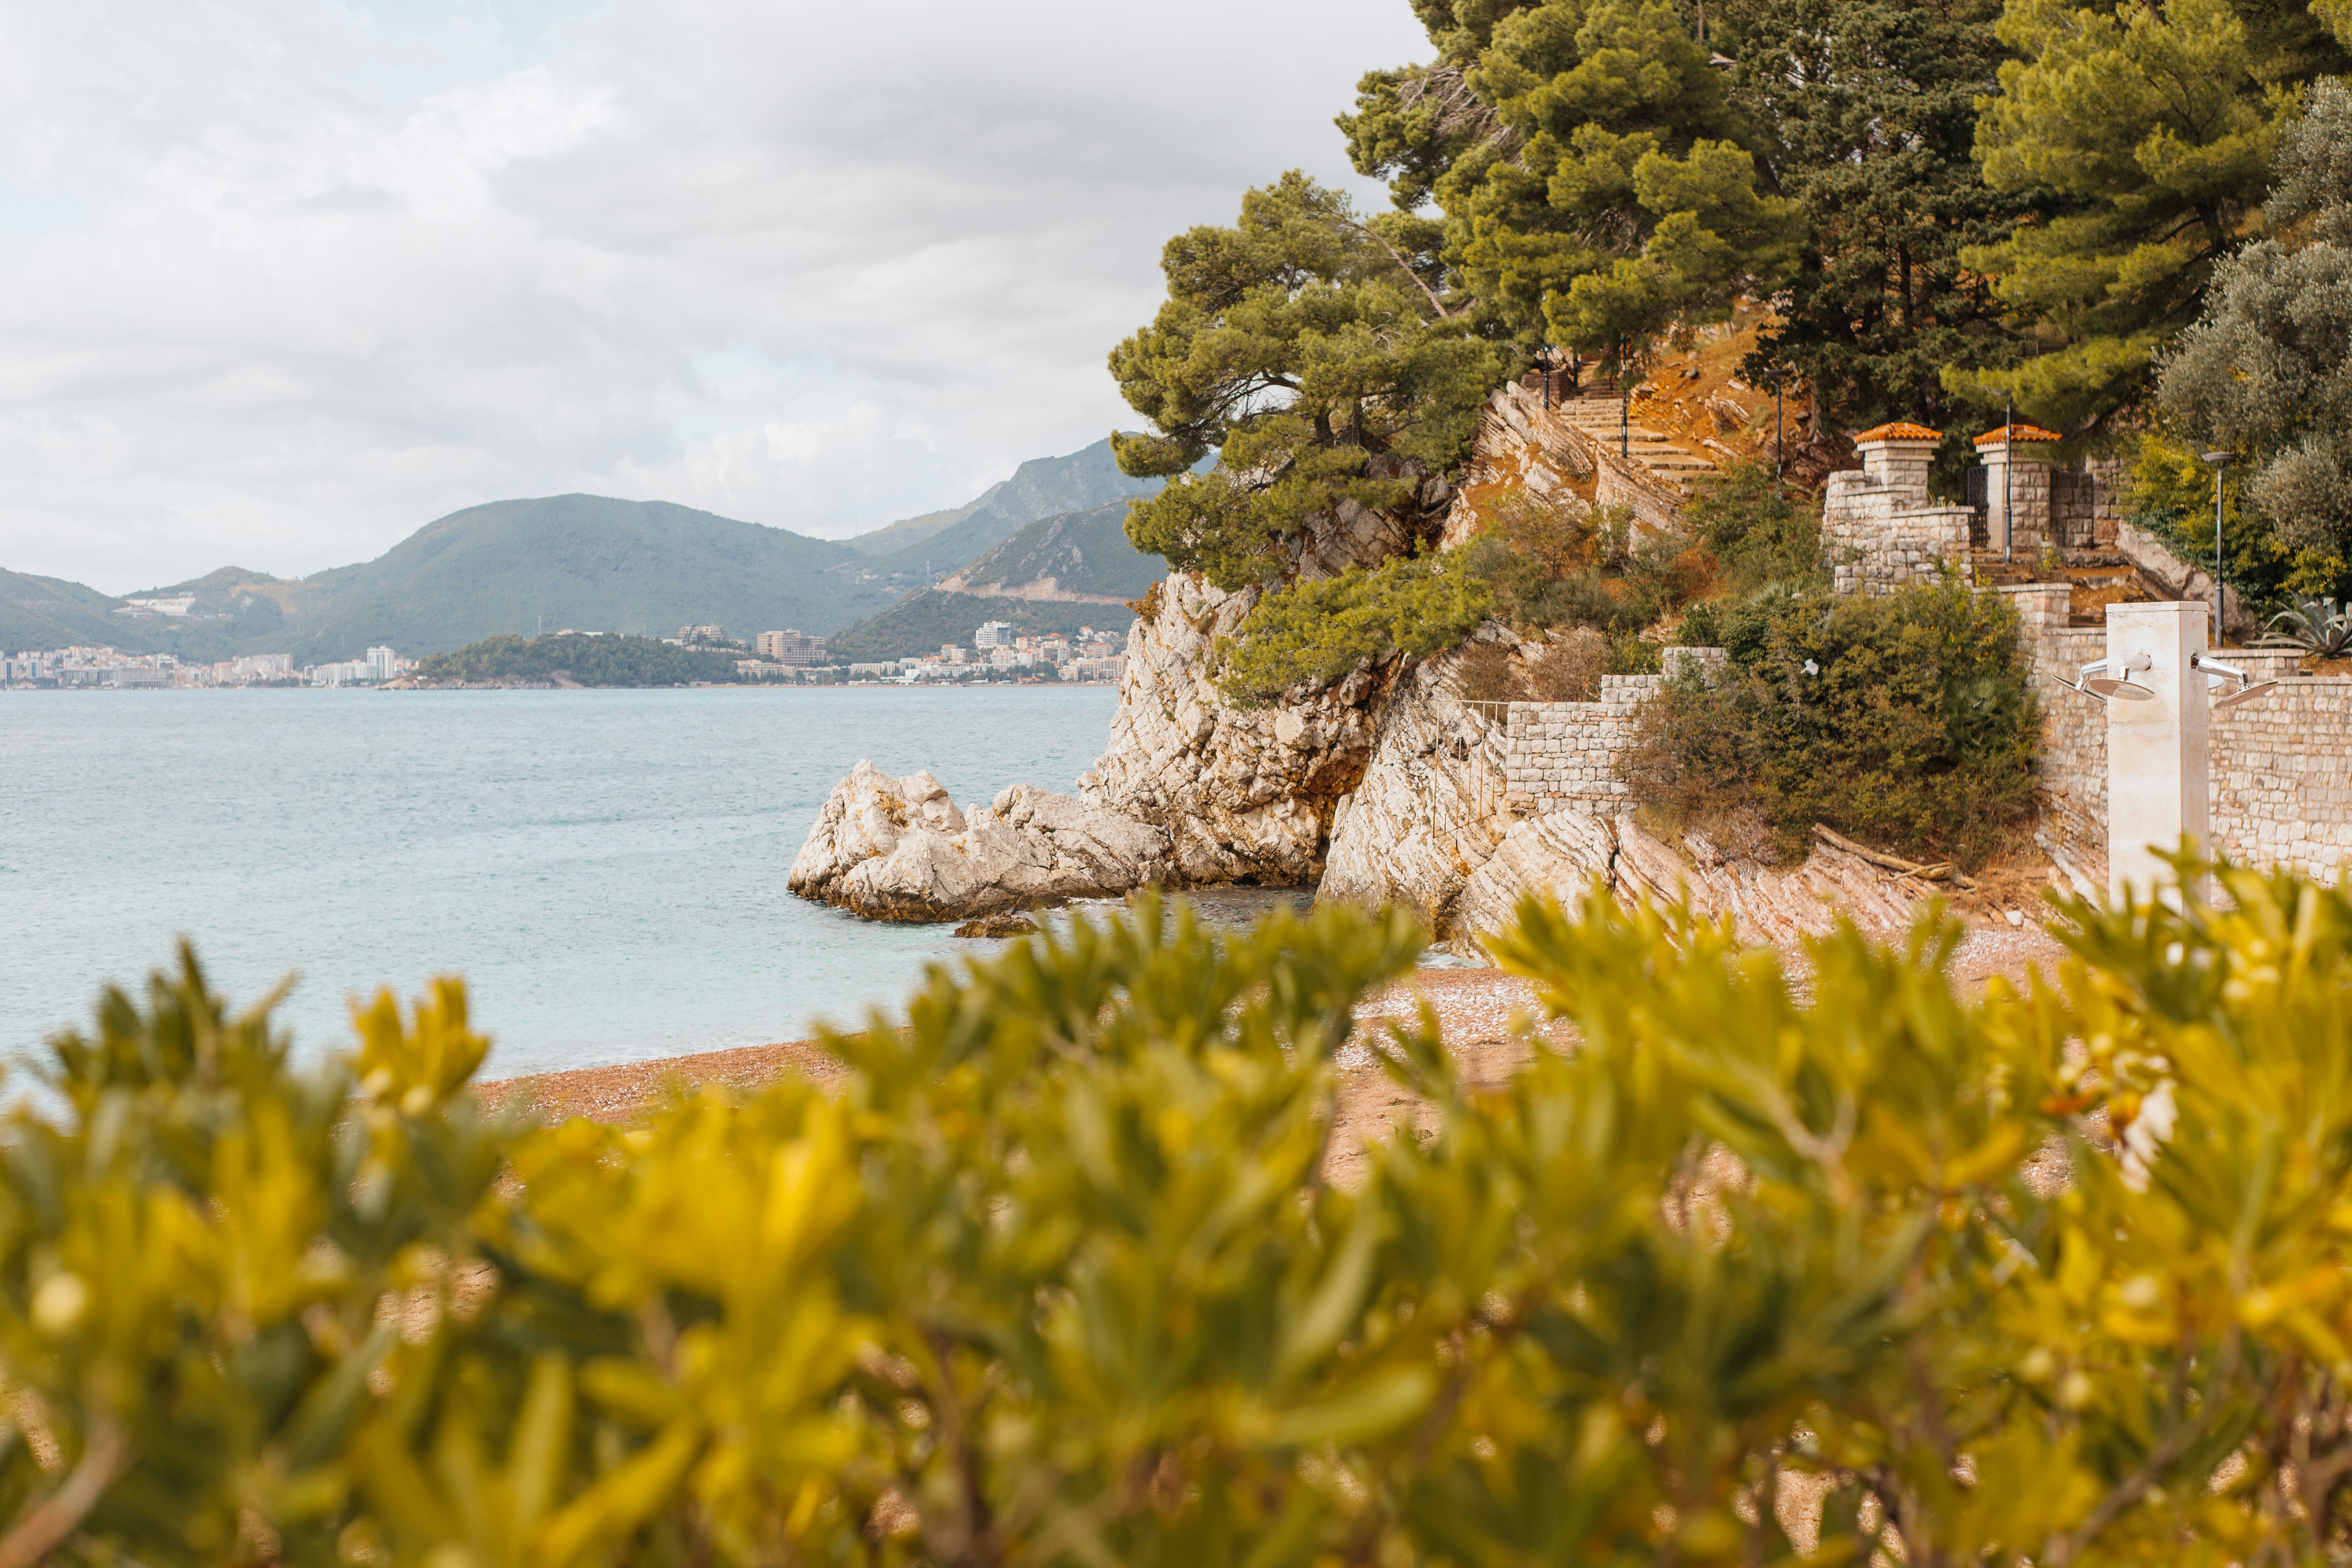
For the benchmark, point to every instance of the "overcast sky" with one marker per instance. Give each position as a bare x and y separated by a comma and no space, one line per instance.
282,280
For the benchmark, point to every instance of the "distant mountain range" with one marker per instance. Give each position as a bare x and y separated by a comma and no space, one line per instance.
596,564
1080,555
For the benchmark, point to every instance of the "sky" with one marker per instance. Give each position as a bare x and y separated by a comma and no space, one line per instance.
283,280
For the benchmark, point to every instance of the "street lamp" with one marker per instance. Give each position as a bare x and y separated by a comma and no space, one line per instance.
1624,403
1776,377
2220,460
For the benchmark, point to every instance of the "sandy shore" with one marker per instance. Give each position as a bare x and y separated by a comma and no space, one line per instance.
1481,1013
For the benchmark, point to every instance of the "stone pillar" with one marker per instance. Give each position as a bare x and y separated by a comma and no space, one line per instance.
2029,489
1896,460
2158,768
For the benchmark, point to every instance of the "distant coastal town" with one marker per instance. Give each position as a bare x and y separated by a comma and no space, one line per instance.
789,657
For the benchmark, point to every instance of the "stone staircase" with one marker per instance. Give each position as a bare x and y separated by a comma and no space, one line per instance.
2094,578
1664,457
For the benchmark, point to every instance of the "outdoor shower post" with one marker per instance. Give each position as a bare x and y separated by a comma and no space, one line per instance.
2158,747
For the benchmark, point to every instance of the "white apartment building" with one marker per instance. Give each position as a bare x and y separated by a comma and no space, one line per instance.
994,633
789,646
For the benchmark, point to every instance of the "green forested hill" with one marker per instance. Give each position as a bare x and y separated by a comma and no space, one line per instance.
1079,551
926,617
47,611
587,562
609,660
578,562
1041,488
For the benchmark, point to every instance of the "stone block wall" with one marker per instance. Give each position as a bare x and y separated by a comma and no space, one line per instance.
1879,536
2283,772
1565,756
2282,764
2071,765
2026,495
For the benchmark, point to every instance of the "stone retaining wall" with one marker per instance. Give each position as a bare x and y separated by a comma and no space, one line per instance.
2283,774
2282,764
1565,756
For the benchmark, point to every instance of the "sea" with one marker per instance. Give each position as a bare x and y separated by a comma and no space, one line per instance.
604,868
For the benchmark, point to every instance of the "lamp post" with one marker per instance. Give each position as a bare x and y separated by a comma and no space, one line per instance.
2220,460
1624,404
1777,378
2008,478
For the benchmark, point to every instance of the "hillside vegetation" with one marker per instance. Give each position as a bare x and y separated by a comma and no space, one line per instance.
1043,487
1077,553
518,567
1948,206
608,660
49,612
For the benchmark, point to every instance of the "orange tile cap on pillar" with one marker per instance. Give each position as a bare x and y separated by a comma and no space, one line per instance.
2027,433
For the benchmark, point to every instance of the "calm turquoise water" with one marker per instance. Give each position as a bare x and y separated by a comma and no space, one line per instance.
606,868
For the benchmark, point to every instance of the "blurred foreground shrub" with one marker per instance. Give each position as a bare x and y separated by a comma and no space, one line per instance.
1756,1275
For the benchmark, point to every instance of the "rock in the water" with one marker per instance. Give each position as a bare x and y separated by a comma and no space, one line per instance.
1009,923
898,849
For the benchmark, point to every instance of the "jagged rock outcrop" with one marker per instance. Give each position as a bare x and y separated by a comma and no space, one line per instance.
1557,855
1245,795
899,850
1428,811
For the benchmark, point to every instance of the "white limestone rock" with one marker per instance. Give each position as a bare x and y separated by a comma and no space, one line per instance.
1428,812
1245,795
1559,855
898,849
1556,856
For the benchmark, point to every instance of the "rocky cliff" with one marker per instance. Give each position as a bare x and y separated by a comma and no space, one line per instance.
1385,788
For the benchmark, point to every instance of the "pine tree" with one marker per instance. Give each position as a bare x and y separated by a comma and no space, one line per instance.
1597,183
2150,130
1318,355
1872,107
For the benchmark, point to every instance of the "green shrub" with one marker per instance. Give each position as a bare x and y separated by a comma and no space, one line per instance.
1557,565
1057,1277
1914,727
1759,530
2171,498
589,659
1316,631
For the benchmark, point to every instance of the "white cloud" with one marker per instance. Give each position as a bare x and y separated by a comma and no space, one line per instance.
284,279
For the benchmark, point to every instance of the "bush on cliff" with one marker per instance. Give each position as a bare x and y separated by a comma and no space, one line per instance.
1757,1274
1554,565
1319,630
1904,719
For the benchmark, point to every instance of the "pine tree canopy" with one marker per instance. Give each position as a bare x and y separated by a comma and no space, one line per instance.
1597,183
2150,133
1872,108
1318,354
1942,207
